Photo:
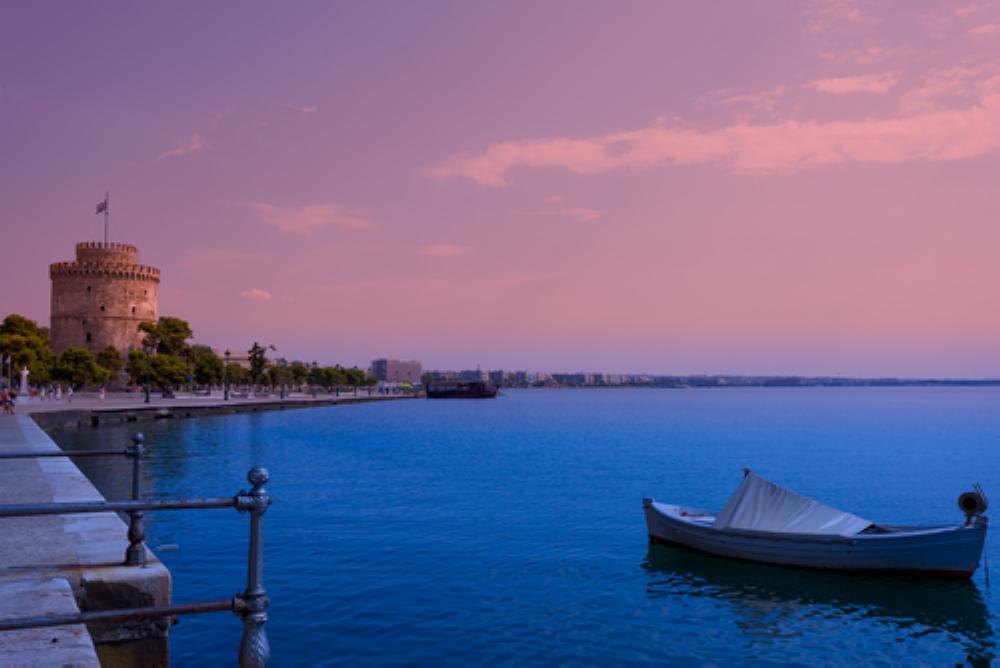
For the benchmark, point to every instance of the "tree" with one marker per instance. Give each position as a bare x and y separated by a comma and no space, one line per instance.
258,362
298,372
316,376
137,367
355,376
77,367
110,360
168,371
237,374
27,345
208,368
168,336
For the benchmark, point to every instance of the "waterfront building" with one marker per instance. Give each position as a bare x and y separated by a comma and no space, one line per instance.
101,298
397,371
237,357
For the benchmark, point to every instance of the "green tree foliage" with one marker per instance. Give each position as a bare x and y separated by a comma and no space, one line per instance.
168,336
258,362
208,368
28,346
334,376
237,375
110,360
298,372
169,371
137,367
77,367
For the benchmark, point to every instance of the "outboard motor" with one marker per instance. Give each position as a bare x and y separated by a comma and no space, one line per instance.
973,504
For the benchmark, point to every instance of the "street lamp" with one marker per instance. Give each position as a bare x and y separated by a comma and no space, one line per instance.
284,370
148,349
225,378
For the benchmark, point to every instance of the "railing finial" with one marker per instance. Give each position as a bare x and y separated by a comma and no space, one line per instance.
258,477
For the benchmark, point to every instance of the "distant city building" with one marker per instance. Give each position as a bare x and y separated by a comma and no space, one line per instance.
397,371
237,357
101,298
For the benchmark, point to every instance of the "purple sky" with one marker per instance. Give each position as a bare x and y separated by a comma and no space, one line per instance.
745,187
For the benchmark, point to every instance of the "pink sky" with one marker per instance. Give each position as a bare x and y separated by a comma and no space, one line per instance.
745,187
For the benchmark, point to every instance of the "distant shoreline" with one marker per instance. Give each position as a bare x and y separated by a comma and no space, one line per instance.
694,382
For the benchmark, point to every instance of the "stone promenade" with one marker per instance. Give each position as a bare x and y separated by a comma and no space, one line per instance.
58,564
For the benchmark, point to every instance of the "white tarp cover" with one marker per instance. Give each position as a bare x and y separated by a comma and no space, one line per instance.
760,505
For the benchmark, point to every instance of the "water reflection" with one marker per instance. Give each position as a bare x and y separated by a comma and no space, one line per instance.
770,601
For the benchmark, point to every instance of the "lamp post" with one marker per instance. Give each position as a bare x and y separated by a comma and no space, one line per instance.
148,350
284,370
225,378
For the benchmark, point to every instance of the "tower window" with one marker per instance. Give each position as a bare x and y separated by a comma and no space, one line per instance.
133,309
88,337
88,288
102,307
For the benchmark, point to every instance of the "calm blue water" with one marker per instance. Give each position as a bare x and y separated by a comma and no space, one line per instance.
511,531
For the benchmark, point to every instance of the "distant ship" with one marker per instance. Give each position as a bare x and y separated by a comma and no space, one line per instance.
461,389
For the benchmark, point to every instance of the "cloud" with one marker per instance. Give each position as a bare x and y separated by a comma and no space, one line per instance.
831,15
745,148
579,213
306,220
191,144
946,87
442,250
985,30
257,295
863,56
939,22
307,109
866,83
764,101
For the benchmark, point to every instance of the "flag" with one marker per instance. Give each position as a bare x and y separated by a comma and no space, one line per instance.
102,207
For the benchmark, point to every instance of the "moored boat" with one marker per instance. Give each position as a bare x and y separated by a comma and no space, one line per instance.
768,523
461,389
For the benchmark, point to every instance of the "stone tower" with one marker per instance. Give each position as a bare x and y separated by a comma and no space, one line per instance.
100,299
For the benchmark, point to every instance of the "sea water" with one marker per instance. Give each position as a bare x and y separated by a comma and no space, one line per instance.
510,531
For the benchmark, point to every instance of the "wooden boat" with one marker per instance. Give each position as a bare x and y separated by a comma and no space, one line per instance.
767,523
460,389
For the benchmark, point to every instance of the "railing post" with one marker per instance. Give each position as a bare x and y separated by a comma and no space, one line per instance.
135,554
252,604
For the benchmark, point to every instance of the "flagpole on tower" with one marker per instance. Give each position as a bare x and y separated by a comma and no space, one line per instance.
105,208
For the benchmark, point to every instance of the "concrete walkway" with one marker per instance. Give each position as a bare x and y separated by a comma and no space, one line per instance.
53,564
135,401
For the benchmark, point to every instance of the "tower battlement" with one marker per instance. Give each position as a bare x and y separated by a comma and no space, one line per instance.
102,297
121,270
99,252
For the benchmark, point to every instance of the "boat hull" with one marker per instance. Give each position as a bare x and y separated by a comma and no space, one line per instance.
951,551
462,394
458,389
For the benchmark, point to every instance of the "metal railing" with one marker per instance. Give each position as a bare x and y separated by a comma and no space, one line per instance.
251,605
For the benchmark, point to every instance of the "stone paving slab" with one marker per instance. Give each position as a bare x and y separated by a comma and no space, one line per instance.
67,646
